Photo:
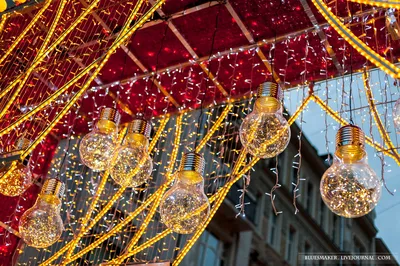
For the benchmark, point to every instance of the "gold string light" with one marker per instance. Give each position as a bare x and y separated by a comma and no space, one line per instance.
355,42
372,107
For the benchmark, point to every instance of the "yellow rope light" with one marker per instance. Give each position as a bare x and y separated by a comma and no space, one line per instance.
104,237
25,31
153,209
343,122
3,22
54,45
375,115
92,205
214,128
355,42
380,3
126,33
46,41
156,196
116,196
50,99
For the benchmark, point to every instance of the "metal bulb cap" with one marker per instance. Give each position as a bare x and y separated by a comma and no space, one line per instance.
193,162
54,187
350,143
269,89
139,126
269,97
110,114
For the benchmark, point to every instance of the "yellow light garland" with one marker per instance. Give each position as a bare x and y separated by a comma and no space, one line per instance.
342,122
380,3
375,115
3,22
117,195
26,30
46,41
92,205
154,207
355,42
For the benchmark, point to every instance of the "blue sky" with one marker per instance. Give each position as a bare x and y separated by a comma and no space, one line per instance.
317,129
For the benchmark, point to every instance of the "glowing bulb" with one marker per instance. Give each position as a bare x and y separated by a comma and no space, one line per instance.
96,149
350,188
132,164
185,206
15,182
16,178
396,115
265,133
41,225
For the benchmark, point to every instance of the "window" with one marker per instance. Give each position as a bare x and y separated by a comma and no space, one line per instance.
358,249
210,251
335,228
310,198
250,209
272,228
291,246
321,213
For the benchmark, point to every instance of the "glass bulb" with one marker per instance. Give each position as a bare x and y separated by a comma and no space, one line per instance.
131,155
265,132
185,206
96,149
350,188
396,115
41,225
15,183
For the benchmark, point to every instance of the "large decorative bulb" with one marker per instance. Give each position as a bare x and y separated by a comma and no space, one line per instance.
265,133
96,149
132,164
350,188
396,115
41,225
185,206
16,178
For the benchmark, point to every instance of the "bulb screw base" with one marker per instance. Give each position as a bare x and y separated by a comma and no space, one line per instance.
54,187
110,114
22,143
350,143
193,162
269,89
139,126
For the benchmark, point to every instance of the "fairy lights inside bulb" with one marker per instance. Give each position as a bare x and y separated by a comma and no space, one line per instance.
185,206
132,165
265,132
17,177
96,149
41,225
350,188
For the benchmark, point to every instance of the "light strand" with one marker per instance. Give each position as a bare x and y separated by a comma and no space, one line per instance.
46,41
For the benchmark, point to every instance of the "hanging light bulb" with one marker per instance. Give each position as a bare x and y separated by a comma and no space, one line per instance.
350,188
265,133
396,115
132,164
14,182
41,225
185,206
96,148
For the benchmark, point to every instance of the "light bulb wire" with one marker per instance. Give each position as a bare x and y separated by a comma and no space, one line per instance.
200,118
351,73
